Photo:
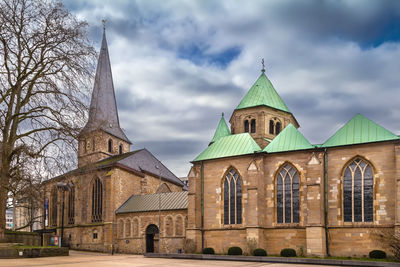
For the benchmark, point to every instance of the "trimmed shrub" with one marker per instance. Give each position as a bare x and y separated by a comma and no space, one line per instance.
377,254
235,251
259,252
208,251
288,252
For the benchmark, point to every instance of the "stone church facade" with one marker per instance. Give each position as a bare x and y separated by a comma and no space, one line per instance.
259,183
108,177
262,184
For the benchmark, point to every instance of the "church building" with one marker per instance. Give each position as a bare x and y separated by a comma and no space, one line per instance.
261,184
111,201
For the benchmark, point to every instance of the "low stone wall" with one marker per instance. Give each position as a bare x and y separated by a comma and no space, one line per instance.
32,252
26,238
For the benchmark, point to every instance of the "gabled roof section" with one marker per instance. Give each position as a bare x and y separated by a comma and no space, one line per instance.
142,161
263,93
103,112
229,146
222,130
290,139
359,130
143,203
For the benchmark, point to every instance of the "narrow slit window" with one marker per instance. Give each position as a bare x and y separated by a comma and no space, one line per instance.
271,127
246,126
109,145
120,149
253,125
277,128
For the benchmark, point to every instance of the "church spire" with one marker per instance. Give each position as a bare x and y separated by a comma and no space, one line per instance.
221,131
103,112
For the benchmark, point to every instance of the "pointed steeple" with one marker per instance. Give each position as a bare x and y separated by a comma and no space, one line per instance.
263,93
221,131
103,112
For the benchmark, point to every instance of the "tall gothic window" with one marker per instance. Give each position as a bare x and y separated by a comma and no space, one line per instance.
271,127
97,200
287,195
246,126
54,206
120,149
253,125
71,205
277,128
110,145
358,192
233,198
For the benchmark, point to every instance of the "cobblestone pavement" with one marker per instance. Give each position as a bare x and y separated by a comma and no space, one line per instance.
93,259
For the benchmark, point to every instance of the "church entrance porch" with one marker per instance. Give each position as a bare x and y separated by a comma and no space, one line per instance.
152,238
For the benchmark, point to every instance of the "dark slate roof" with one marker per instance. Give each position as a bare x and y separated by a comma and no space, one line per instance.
169,201
103,112
142,161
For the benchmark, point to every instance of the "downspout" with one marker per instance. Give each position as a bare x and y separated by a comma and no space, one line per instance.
326,200
202,205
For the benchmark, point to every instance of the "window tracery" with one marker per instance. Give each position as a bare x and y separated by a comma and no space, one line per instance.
232,198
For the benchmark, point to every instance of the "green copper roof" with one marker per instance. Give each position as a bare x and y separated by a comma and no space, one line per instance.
288,140
228,146
222,130
359,130
262,93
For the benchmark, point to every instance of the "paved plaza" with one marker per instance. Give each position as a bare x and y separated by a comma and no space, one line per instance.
89,259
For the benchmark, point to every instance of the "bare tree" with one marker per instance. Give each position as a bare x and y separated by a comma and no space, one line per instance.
46,63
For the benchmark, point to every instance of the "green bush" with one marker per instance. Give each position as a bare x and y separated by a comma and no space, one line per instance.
259,252
208,251
377,254
235,251
288,252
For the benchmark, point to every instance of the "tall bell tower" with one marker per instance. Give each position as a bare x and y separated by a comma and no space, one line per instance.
102,135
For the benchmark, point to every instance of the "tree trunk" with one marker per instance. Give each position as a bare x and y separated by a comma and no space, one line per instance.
3,205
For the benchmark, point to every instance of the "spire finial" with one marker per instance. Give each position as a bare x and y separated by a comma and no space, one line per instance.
104,24
263,66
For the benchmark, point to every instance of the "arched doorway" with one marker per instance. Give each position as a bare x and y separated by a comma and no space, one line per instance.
151,234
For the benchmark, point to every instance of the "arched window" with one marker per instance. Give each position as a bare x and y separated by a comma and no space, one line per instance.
128,228
110,145
358,199
121,228
277,128
135,227
179,226
169,228
120,149
54,195
253,125
246,126
232,198
287,195
71,205
271,127
97,200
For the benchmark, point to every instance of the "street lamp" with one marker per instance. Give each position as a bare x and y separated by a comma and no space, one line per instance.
159,209
64,187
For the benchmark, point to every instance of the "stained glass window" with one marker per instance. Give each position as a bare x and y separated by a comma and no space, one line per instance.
233,198
288,195
358,192
97,201
54,206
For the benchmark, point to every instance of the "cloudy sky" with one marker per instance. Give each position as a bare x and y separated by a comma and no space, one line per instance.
178,64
